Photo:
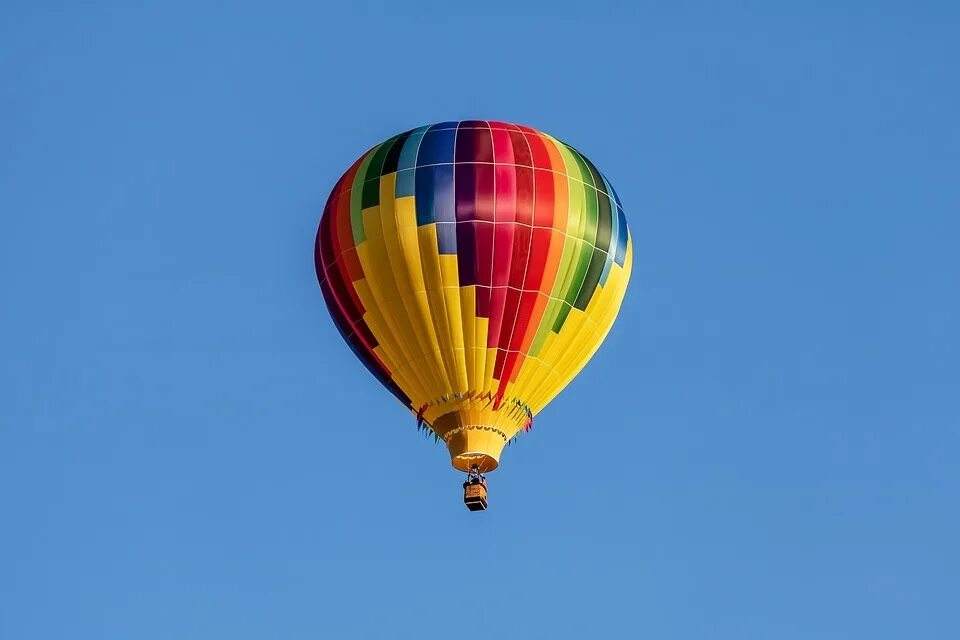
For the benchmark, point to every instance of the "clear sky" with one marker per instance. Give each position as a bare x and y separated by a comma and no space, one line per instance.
764,448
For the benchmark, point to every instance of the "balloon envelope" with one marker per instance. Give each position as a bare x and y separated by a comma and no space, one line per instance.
474,267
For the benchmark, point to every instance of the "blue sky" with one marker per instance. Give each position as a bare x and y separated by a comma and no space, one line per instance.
765,447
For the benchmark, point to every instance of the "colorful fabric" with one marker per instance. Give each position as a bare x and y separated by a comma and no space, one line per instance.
474,267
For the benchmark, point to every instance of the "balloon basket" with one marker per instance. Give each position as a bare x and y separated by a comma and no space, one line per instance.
475,490
475,496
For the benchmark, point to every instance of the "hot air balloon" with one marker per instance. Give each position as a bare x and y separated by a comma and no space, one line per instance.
474,268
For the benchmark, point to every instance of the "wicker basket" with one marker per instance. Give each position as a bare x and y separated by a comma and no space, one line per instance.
475,496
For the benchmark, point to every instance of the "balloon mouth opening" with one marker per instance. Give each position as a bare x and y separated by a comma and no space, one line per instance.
472,440
466,461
